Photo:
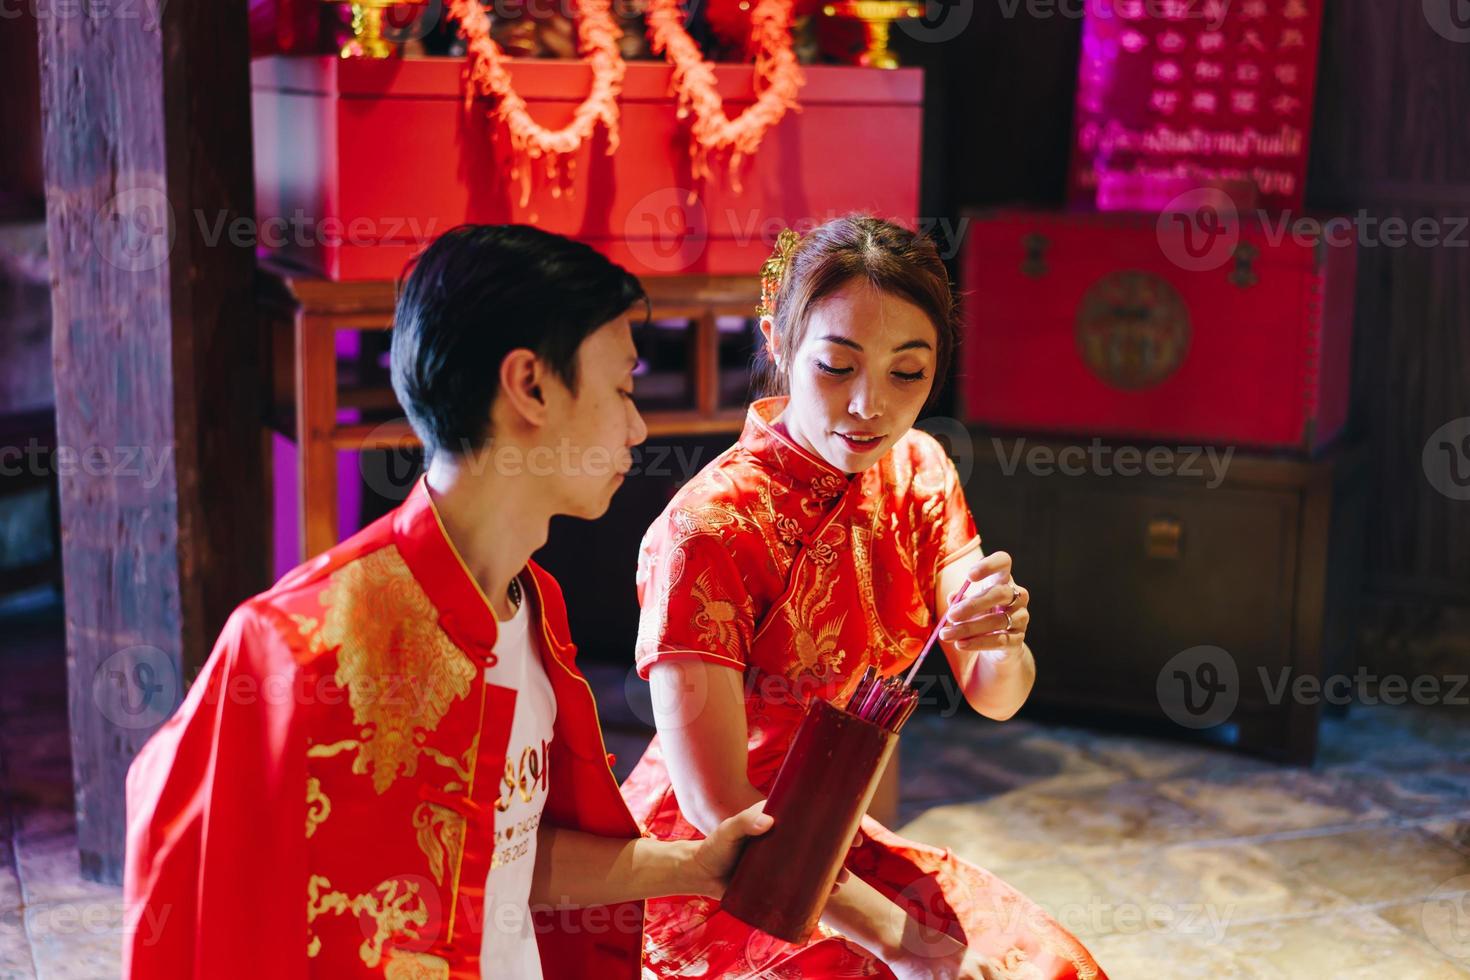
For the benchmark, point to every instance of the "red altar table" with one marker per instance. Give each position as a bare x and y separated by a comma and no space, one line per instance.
359,162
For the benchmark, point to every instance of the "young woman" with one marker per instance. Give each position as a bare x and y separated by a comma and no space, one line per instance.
829,538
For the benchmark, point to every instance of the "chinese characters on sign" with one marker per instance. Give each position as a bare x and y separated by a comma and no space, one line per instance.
1173,90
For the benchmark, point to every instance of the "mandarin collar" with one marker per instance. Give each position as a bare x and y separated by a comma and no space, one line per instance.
776,450
464,612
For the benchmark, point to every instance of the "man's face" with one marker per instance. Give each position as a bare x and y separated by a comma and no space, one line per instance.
593,432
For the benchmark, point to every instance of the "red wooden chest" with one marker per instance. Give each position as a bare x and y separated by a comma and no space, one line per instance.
1120,325
359,162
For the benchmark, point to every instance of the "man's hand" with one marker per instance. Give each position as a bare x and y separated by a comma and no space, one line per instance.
715,857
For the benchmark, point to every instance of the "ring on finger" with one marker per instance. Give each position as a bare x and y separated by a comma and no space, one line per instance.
1015,596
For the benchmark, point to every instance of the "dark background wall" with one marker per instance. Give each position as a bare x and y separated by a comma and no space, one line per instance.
26,391
25,303
21,182
1391,136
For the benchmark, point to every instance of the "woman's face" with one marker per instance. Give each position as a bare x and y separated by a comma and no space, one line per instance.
861,375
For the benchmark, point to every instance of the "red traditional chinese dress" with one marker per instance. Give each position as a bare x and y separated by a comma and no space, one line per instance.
323,804
775,563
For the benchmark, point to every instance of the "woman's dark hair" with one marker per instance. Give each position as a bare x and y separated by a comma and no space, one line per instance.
479,292
860,247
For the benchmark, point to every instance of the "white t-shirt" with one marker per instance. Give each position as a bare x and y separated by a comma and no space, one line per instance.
508,944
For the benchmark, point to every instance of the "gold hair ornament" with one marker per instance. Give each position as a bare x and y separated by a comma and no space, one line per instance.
773,269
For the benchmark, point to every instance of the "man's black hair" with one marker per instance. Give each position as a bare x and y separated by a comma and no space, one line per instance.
479,292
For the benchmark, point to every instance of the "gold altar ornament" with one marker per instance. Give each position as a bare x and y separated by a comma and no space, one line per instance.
876,16
367,29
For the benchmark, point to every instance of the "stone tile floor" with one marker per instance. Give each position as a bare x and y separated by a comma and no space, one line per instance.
1167,859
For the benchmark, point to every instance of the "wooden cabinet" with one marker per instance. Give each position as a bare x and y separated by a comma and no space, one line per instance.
1110,327
1256,556
697,344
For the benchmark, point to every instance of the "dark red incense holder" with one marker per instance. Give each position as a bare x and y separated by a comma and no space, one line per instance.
821,792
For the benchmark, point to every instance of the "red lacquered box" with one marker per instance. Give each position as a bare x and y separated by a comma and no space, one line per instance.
1124,325
373,158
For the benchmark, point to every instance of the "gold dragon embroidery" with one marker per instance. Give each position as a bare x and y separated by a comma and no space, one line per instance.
813,652
440,833
395,908
405,965
318,807
718,619
401,671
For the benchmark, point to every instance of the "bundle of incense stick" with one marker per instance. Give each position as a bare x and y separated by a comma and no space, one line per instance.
888,701
885,701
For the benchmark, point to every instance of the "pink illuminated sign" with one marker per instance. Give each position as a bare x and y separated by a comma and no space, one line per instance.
1174,92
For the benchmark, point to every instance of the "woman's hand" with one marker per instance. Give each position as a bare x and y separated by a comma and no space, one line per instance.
992,617
984,638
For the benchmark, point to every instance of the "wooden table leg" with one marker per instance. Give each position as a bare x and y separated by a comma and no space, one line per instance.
316,416
706,366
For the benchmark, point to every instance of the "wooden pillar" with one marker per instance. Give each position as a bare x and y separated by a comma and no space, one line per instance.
316,418
146,130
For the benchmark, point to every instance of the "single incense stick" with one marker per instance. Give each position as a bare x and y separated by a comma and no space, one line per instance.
935,635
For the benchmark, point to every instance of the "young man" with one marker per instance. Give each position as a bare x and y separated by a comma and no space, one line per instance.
390,757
